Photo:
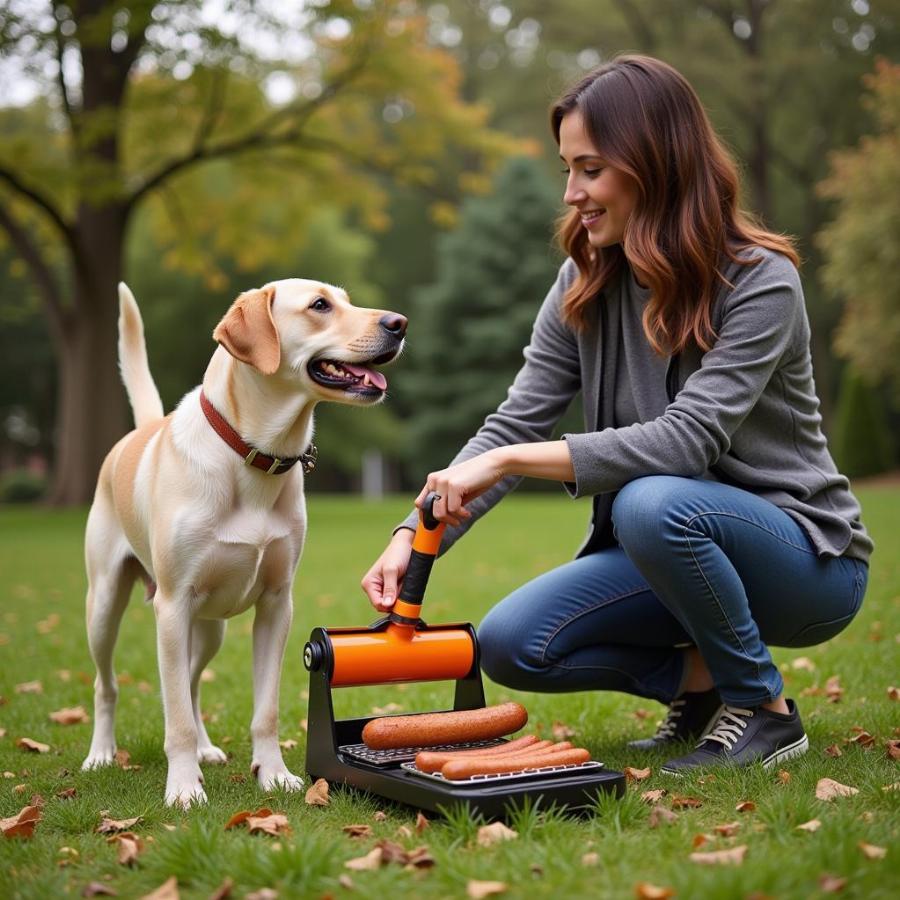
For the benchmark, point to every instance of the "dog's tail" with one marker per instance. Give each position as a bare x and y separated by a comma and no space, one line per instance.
142,392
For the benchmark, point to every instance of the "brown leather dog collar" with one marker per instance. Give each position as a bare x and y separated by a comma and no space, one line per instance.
271,465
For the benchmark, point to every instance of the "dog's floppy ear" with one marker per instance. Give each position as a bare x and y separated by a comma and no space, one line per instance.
248,331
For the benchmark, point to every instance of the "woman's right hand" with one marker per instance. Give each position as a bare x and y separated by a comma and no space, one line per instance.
382,582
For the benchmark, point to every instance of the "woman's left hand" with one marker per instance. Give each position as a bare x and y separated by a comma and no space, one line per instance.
460,484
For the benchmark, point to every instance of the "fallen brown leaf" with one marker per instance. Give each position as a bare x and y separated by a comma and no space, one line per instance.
832,884
421,823
2,732
495,832
745,806
828,789
271,823
643,890
680,802
70,715
386,710
237,777
652,797
731,857
357,831
783,776
803,663
706,779
168,890
701,839
33,746
893,749
262,894
479,889
420,858
304,726
729,829
659,815
372,860
834,751
19,788
22,824
289,744
561,731
98,889
130,846
392,852
811,825
346,882
317,795
379,816
30,687
893,693
66,793
223,891
110,826
404,831
833,689
636,774
895,786
870,851
590,859
863,739
642,713
240,817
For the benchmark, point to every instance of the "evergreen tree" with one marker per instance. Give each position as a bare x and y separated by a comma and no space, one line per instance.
468,329
862,442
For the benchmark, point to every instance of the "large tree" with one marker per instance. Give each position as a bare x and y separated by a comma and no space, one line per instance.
135,101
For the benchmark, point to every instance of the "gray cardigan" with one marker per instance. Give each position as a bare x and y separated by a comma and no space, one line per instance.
744,413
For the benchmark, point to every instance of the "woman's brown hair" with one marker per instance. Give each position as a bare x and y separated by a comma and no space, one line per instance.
646,120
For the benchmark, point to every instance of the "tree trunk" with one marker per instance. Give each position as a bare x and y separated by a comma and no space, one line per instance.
91,412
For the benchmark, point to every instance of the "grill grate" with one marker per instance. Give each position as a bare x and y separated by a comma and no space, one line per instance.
543,771
405,754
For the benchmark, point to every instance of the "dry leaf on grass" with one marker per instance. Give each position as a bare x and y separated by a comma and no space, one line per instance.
590,859
870,851
267,822
345,881
636,774
561,731
643,890
828,789
729,829
833,751
745,806
33,746
372,860
659,815
640,713
130,846
168,890
317,795
783,776
387,709
893,749
222,891
30,687
22,824
392,852
832,884
680,802
653,797
732,857
66,793
833,689
803,663
98,889
404,831
811,825
495,832
701,839
862,739
421,823
110,826
70,715
357,831
478,889
2,732
262,894
289,744
379,816
419,858
893,693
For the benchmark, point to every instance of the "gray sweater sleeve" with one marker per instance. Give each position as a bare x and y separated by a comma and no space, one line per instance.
759,328
545,385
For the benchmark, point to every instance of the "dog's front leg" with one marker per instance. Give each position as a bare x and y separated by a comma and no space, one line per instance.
184,783
270,631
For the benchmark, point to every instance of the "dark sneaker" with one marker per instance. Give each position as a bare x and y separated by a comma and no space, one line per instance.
689,717
744,736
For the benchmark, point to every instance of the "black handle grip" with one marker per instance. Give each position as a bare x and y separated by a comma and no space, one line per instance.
428,519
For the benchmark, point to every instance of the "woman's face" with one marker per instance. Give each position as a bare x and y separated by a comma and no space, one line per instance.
604,196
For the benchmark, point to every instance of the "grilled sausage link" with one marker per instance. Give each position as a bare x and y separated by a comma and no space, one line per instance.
481,765
433,729
432,760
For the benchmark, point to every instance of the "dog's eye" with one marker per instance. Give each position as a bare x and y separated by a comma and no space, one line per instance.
320,304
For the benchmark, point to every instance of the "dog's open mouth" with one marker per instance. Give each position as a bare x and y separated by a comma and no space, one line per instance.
346,376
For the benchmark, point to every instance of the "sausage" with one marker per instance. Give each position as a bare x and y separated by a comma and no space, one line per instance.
432,760
434,729
466,768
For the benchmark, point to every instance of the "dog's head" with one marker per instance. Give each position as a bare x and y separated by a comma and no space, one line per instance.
309,333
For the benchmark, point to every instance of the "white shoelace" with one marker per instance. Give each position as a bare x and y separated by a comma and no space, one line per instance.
729,726
667,728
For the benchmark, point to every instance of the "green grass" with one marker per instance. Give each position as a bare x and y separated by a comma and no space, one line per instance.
41,575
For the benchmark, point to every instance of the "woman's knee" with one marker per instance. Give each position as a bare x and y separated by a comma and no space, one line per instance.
505,656
644,508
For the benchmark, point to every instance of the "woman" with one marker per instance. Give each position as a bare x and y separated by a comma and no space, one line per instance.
720,523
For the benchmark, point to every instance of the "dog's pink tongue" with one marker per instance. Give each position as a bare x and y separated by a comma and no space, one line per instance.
375,378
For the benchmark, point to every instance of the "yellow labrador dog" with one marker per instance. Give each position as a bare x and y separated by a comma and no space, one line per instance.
206,505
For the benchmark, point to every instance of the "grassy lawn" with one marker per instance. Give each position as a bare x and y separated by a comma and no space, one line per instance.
42,638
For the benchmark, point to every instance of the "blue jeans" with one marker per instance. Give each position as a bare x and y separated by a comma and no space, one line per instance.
698,563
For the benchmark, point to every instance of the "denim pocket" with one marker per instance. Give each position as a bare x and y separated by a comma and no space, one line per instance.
819,632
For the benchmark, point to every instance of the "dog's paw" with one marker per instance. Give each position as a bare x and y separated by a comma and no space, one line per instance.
211,755
184,787
97,759
275,779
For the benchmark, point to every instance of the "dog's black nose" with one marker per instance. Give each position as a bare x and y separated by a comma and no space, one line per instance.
394,323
